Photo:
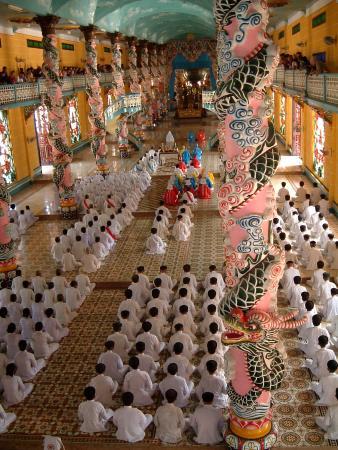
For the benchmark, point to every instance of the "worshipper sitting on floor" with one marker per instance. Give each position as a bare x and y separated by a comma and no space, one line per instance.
283,191
329,423
162,230
89,262
128,304
6,418
178,383
122,346
180,231
84,284
140,292
131,423
57,250
315,193
208,422
327,385
158,324
92,414
27,365
73,296
42,343
169,420
301,192
26,325
129,325
309,344
211,381
139,383
63,313
318,364
105,386
146,362
68,261
154,244
11,339
114,366
13,230
330,308
212,354
15,391
167,282
53,327
185,318
153,347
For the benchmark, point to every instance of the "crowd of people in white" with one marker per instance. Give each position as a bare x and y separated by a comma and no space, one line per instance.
150,353
310,245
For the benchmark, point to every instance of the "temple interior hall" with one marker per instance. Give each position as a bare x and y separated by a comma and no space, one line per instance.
168,224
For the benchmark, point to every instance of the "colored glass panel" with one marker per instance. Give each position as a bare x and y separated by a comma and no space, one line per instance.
297,129
282,115
6,152
42,131
319,145
74,120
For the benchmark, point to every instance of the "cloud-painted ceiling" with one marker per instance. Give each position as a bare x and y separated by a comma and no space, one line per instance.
154,20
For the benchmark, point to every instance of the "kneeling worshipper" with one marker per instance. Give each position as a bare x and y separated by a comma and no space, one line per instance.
5,419
154,244
169,420
92,414
329,422
180,231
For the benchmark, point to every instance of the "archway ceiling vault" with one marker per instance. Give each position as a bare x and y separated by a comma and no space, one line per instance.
154,20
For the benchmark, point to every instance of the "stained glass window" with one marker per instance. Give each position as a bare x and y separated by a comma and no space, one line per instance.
273,106
6,154
297,129
319,145
74,121
282,115
42,130
110,99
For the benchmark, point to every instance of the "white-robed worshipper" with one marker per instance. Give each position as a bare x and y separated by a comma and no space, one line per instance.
63,314
213,273
15,391
26,325
128,304
317,278
73,296
13,230
327,385
99,250
139,383
140,292
131,423
283,191
143,278
301,192
6,418
53,326
38,308
13,213
105,386
170,140
11,339
165,210
169,420
155,244
90,263
183,299
27,365
30,218
22,222
42,343
318,364
310,336
208,422
186,319
147,364
178,383
60,283
156,301
57,250
213,382
113,363
167,281
153,347
185,368
122,346
315,193
289,274
324,291
92,414
329,423
211,316
129,325
330,311
84,284
324,205
180,231
5,293
162,230
212,355
189,348
38,283
158,324
68,261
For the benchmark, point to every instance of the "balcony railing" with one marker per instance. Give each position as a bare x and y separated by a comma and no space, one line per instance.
127,104
323,87
23,92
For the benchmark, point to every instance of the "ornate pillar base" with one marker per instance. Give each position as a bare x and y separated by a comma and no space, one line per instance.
262,438
7,269
68,208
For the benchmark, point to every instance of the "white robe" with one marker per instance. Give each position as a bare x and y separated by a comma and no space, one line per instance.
90,263
5,419
208,424
105,388
326,390
169,421
180,385
131,423
94,416
181,231
140,385
318,365
15,391
114,365
69,262
27,365
329,423
155,245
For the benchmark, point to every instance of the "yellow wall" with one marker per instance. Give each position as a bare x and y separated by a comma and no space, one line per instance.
313,38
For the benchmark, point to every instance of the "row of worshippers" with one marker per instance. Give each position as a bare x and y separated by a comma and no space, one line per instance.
20,221
105,195
308,231
34,318
89,241
149,162
162,310
317,301
156,243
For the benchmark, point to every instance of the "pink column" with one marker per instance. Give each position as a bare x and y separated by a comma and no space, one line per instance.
253,263
134,85
145,83
62,154
163,84
7,248
96,119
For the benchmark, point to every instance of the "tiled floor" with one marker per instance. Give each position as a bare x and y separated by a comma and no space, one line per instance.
51,408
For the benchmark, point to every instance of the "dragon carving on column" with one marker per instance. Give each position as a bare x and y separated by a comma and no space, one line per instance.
96,119
134,86
246,200
146,84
